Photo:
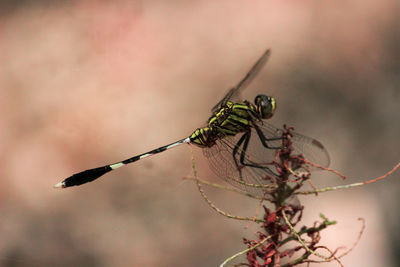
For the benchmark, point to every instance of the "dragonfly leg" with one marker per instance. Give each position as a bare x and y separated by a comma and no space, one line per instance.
235,151
265,140
245,162
243,153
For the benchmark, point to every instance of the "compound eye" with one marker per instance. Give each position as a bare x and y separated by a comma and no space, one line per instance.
265,106
258,99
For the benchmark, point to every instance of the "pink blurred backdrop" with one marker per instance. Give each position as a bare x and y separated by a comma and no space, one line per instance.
86,83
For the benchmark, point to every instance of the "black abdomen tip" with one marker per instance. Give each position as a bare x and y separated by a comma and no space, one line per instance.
86,176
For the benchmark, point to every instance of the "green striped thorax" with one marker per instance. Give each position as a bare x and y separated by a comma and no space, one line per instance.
233,118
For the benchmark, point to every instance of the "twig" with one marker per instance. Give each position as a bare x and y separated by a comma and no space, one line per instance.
306,231
351,248
326,189
357,240
245,251
256,214
303,244
324,168
219,186
211,204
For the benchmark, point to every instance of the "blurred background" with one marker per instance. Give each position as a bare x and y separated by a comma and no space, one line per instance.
88,83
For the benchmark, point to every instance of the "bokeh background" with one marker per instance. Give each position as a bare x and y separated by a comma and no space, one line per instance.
86,83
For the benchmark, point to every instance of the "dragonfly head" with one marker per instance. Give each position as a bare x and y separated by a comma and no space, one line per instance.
265,106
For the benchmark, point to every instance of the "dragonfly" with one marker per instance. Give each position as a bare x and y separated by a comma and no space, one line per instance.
237,140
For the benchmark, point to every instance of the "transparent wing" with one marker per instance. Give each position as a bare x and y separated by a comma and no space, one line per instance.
310,148
222,162
234,92
260,180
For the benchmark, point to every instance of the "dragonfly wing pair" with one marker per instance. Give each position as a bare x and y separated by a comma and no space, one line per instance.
234,93
255,173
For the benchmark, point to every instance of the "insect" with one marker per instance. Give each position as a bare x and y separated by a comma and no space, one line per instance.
238,141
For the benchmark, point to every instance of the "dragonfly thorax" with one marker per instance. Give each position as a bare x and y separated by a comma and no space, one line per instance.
229,120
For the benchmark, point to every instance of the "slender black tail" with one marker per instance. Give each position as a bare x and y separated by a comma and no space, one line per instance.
92,174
